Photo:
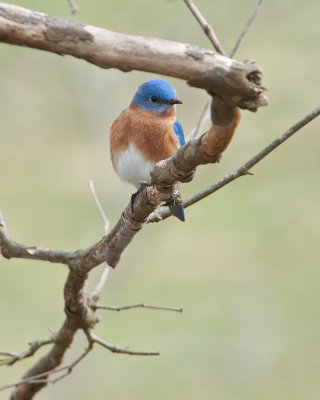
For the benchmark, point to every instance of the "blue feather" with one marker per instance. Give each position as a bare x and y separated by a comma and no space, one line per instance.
156,95
179,132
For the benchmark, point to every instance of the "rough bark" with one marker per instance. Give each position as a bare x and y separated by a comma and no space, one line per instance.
237,83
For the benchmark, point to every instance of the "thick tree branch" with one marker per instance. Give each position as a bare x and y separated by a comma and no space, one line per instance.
80,310
80,314
109,49
180,167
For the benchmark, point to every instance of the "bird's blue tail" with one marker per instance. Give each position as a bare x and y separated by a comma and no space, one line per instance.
177,211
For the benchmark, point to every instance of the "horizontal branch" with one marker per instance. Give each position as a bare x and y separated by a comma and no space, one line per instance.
108,49
139,305
9,248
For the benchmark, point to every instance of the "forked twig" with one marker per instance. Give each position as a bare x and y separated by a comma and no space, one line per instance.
42,378
207,28
13,357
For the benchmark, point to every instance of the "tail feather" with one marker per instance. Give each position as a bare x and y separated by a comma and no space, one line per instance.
177,211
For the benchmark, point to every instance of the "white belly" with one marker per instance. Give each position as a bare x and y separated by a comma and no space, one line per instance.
132,167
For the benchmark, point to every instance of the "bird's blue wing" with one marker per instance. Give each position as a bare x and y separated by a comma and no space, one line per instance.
177,209
179,132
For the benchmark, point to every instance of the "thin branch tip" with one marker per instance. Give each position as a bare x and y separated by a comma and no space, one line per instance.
121,350
138,305
246,28
207,28
73,7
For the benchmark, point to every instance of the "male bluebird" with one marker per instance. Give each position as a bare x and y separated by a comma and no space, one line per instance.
145,133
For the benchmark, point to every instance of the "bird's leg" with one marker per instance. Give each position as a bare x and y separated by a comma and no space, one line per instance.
175,198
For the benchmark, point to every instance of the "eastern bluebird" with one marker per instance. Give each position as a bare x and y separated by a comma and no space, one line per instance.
145,133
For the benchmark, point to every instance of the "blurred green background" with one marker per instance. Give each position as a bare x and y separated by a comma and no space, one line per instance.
245,264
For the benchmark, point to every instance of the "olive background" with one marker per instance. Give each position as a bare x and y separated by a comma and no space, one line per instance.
244,265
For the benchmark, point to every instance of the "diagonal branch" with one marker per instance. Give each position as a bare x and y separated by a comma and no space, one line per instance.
244,169
205,26
33,347
43,376
247,27
80,313
121,350
180,167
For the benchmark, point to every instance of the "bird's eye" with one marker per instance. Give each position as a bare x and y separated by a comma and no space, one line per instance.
154,99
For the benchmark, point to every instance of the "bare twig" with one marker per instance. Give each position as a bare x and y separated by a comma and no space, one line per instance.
244,169
205,26
121,350
14,357
247,27
139,305
95,294
70,367
97,201
204,117
73,7
37,378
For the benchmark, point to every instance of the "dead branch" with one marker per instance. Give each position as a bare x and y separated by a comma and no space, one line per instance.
109,49
244,169
234,84
43,378
180,167
80,313
13,357
139,305
121,350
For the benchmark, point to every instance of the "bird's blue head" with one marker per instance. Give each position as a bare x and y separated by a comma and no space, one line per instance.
156,95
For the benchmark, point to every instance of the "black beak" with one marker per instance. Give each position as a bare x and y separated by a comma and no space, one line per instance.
174,101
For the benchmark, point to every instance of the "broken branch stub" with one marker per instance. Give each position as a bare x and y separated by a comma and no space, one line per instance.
238,85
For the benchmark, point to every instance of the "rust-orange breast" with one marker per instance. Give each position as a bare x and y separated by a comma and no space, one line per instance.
151,134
